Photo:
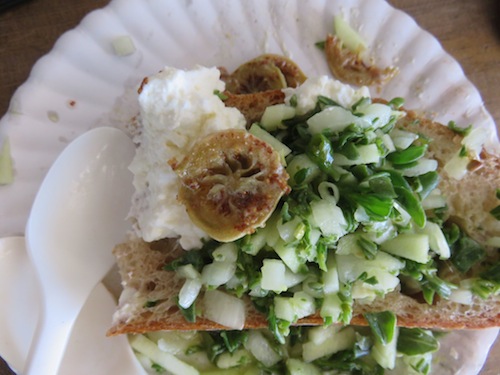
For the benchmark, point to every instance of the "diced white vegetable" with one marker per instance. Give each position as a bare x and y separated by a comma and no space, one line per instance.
292,279
348,244
304,304
368,154
434,200
388,143
377,114
474,141
423,166
402,139
342,340
189,292
386,282
188,272
291,230
143,345
284,309
172,342
331,307
349,37
413,246
145,361
462,296
334,119
350,267
273,275
280,147
299,163
293,308
313,286
288,254
456,167
217,273
403,217
240,357
329,218
6,168
224,309
331,276
257,241
261,349
297,367
320,334
363,292
227,252
275,114
437,240
123,45
385,355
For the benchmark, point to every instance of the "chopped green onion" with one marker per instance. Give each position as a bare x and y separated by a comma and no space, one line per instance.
416,341
383,325
496,212
465,253
462,131
407,156
397,103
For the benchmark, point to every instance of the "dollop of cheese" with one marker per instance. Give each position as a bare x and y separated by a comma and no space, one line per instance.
307,93
177,107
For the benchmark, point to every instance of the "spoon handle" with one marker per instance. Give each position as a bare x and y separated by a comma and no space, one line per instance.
49,344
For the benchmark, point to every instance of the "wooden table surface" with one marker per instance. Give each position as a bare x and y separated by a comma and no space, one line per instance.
468,29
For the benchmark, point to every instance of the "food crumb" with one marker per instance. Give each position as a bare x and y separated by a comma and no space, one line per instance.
53,116
123,45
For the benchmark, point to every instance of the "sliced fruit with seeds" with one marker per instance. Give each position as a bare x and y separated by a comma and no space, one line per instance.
230,183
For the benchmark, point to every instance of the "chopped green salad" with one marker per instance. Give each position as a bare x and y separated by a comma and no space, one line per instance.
364,218
306,351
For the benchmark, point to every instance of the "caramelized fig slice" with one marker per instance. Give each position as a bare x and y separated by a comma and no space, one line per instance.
265,72
348,67
230,183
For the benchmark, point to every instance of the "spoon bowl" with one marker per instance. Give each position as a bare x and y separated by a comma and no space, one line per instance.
78,215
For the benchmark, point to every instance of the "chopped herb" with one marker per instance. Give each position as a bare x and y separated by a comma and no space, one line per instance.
397,103
407,156
465,253
383,325
369,248
321,44
415,341
462,131
158,369
234,339
188,313
361,102
463,152
221,95
428,182
484,288
150,304
496,212
492,273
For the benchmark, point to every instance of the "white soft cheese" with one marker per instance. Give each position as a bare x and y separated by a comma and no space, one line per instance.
177,107
307,94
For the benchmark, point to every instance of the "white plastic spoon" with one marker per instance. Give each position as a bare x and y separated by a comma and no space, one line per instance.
76,219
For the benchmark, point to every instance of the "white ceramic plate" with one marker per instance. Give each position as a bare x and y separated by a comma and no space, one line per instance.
82,83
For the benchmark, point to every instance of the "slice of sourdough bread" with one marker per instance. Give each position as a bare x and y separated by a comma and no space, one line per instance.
148,300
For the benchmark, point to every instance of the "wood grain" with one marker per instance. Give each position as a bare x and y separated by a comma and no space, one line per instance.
468,29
